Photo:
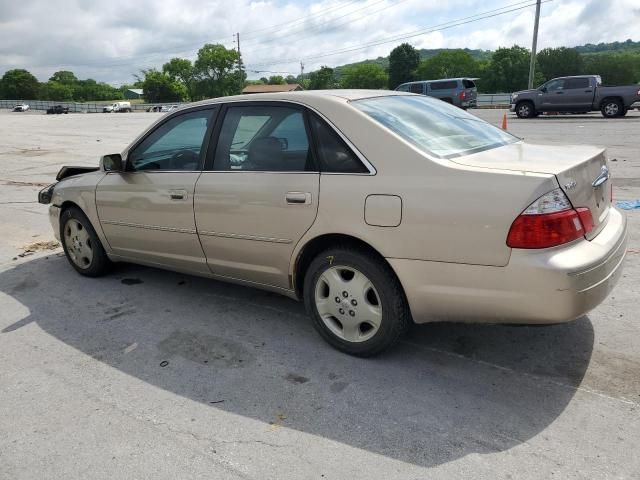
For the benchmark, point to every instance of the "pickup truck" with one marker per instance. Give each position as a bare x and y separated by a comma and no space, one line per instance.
578,94
57,110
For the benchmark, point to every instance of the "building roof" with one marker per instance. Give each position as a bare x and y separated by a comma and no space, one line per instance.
137,91
289,87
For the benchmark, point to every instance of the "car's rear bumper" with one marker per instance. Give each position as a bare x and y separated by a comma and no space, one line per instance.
512,107
537,286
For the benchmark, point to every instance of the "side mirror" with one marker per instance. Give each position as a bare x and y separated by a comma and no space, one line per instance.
112,163
284,143
543,89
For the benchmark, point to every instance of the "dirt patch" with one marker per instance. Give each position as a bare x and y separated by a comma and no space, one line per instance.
41,246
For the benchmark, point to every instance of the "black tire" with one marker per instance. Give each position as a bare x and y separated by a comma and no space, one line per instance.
525,110
611,108
100,263
395,314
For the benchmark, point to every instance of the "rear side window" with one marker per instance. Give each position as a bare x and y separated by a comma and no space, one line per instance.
416,88
448,85
577,83
468,84
334,154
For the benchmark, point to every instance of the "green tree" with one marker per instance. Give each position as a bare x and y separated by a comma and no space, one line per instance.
53,90
322,79
183,71
615,69
403,62
365,75
19,84
448,64
276,80
559,62
64,77
217,71
508,71
159,87
291,79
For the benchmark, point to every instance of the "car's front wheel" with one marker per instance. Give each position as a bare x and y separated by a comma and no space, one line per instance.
525,110
355,301
81,244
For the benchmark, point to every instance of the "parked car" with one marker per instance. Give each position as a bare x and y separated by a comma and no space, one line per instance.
378,209
57,109
20,107
169,108
117,107
461,92
582,93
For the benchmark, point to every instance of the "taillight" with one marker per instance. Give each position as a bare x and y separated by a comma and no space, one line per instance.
462,95
548,222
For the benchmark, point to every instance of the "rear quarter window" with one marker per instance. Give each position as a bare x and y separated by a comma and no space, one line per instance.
448,85
468,84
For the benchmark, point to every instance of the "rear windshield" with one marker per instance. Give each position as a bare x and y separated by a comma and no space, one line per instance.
468,84
435,127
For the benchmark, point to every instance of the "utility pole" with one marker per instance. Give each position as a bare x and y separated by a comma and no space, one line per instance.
301,71
532,66
240,61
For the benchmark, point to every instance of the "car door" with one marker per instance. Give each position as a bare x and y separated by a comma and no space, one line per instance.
259,193
552,95
146,211
578,94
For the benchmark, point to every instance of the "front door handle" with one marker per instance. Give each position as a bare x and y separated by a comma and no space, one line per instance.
298,198
559,93
178,194
588,91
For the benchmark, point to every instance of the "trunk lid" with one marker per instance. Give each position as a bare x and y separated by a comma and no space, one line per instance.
581,171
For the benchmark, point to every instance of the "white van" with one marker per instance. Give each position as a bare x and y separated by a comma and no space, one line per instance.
117,107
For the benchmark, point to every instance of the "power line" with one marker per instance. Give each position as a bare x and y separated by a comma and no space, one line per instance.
436,28
332,27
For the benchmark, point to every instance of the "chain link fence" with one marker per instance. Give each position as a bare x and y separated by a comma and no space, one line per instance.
75,107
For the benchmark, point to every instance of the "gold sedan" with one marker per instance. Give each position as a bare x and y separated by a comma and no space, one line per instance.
378,209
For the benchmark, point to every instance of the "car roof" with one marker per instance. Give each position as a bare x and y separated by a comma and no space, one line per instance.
304,96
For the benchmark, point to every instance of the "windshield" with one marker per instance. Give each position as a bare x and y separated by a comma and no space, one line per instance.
435,127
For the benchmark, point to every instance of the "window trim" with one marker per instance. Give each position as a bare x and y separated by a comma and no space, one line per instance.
306,109
215,111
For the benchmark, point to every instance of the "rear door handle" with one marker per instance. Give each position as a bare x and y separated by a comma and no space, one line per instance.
178,194
588,91
298,198
559,93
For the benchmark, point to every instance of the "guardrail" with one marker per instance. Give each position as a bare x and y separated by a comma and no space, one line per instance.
485,100
76,107
494,100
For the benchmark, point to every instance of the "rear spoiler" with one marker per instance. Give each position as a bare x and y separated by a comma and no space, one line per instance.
70,171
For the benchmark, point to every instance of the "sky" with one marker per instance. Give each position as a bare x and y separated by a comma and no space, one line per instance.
113,40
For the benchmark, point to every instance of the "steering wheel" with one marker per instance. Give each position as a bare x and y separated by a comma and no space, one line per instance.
184,160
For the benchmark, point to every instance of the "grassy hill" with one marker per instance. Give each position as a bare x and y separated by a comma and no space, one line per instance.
627,46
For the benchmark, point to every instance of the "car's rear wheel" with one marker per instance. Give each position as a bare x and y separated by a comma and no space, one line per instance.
611,108
81,244
355,301
525,110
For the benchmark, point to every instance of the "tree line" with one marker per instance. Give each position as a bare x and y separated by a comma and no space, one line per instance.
217,71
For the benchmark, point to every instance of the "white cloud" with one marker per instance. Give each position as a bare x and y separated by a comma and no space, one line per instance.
112,40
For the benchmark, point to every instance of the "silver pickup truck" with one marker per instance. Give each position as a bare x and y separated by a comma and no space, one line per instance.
579,94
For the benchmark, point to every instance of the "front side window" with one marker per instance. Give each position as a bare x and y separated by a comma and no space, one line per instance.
175,145
555,85
403,88
416,88
263,138
433,126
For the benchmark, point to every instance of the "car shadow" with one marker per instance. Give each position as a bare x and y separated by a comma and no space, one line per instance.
447,391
